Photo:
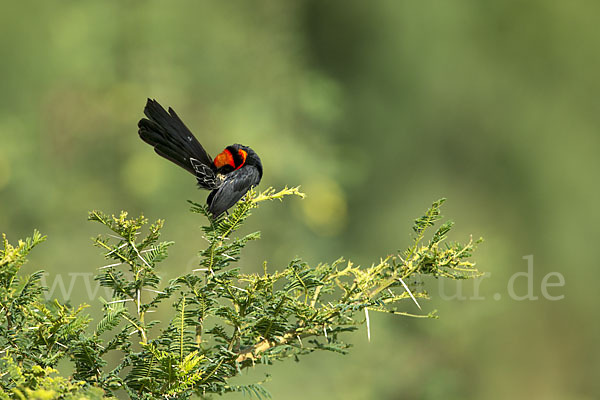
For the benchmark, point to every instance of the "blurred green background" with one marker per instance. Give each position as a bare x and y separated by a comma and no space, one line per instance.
376,109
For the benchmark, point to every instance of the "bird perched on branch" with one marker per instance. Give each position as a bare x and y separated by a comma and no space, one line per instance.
229,175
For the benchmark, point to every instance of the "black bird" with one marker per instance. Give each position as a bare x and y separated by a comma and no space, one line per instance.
229,176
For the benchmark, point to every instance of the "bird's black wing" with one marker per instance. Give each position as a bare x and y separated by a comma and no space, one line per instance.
233,188
172,140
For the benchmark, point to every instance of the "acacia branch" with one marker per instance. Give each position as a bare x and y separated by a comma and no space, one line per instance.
254,352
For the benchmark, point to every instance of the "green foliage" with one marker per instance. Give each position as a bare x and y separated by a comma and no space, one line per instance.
43,383
34,334
224,319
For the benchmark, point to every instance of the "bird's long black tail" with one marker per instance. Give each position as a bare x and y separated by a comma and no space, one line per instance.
172,140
